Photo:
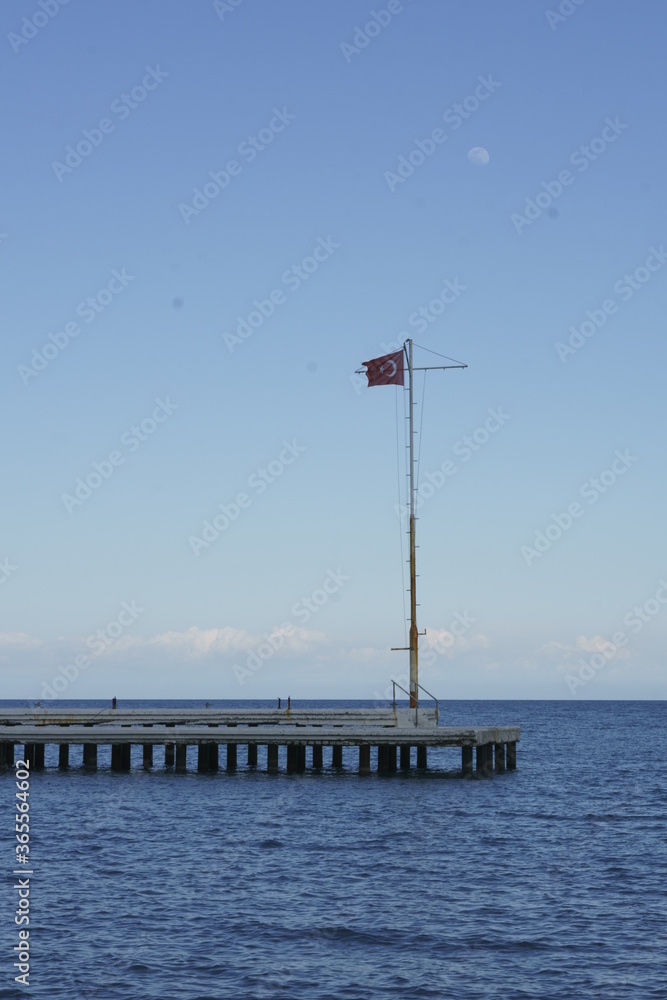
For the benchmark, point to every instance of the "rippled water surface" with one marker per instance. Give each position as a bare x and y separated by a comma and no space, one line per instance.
548,882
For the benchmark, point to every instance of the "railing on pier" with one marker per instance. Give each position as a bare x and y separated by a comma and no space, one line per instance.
419,688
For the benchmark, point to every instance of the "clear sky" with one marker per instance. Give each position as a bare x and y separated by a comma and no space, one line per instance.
212,213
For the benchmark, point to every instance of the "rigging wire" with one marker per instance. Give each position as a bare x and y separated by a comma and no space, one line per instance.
445,356
421,424
400,519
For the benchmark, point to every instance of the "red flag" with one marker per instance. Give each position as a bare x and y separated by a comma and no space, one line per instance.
387,370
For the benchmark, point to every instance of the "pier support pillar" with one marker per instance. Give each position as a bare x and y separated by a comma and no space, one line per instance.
213,760
301,757
90,756
383,759
421,758
317,755
466,761
63,755
292,758
364,758
3,760
489,758
181,758
148,755
252,755
480,759
337,756
499,750
9,754
202,757
391,758
405,757
116,757
125,755
39,756
169,755
29,755
231,756
272,758
511,756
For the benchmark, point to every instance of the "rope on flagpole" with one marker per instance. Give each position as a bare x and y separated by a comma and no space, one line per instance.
400,519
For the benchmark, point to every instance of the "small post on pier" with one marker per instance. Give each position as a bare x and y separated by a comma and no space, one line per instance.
364,758
511,756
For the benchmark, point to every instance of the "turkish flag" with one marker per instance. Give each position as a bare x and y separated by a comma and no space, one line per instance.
387,370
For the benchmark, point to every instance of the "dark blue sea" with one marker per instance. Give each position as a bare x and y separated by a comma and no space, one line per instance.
547,883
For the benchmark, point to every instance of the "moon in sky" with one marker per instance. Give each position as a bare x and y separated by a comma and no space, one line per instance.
478,156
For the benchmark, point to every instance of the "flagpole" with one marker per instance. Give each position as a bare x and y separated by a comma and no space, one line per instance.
376,375
414,634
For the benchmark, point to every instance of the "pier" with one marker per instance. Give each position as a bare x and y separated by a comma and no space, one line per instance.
400,738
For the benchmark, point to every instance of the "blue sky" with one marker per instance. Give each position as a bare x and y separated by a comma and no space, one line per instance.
144,275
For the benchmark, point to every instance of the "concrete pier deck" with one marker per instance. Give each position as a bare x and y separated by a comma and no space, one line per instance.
387,729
